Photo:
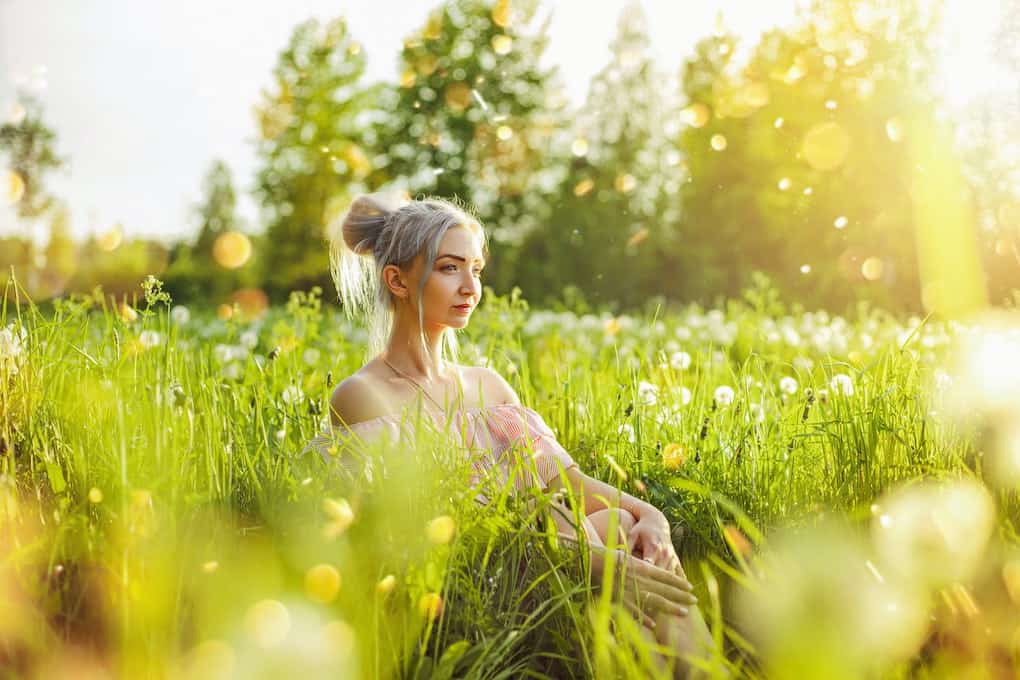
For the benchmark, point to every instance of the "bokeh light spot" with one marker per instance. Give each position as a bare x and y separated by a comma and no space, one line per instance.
826,146
231,250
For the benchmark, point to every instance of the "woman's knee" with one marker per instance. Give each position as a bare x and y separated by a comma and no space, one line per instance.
624,521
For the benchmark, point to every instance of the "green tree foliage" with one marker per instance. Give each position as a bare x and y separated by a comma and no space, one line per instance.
797,155
472,117
29,144
119,272
194,272
312,151
611,232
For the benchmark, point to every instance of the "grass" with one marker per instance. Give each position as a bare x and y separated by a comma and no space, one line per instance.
157,518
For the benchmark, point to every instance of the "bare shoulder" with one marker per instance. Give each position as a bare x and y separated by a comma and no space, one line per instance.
494,388
358,397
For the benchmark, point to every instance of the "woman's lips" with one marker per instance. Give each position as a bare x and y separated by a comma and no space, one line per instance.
463,309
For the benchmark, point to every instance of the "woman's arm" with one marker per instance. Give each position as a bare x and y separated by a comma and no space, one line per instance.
585,487
595,494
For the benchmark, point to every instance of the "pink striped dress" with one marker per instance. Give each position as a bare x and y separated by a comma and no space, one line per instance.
493,437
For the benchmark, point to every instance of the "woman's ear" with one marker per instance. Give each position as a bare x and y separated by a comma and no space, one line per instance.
393,277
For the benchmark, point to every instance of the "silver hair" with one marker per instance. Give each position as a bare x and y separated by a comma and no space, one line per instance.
386,228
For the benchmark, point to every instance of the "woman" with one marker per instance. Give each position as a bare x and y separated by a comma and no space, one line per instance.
415,266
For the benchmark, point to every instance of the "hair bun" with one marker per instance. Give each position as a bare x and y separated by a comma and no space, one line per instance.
366,217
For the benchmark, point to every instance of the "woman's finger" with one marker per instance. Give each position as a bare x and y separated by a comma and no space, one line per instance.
646,619
660,575
658,603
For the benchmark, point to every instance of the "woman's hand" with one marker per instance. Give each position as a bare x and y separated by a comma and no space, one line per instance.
650,539
645,589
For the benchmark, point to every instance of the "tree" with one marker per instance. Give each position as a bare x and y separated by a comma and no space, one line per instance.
612,227
30,146
473,116
313,151
800,157
194,271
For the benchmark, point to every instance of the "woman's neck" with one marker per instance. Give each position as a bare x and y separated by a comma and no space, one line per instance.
406,352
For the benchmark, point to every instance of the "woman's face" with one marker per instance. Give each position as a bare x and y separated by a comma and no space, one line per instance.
454,287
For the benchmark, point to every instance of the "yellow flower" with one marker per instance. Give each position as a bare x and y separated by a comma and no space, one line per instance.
322,583
440,530
673,456
385,586
430,605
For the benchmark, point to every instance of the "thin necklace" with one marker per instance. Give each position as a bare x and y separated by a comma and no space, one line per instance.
424,391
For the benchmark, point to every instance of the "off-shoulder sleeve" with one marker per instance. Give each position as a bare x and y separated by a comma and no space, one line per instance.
520,428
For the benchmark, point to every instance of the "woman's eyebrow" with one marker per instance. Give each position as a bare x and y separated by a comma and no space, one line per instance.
461,259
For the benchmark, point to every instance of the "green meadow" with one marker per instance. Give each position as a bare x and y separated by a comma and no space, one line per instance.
842,494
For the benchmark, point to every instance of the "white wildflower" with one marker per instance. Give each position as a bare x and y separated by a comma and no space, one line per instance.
683,333
805,364
668,416
791,336
788,385
311,356
226,353
150,339
681,361
249,339
724,395
684,395
756,412
180,314
232,371
627,430
12,348
647,393
841,383
292,394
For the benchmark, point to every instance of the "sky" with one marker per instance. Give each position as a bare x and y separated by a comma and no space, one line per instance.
145,95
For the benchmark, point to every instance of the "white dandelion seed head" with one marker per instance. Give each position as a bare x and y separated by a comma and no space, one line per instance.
180,315
150,338
292,394
788,385
311,356
724,395
683,395
805,364
249,339
648,393
227,353
626,430
842,384
232,371
680,361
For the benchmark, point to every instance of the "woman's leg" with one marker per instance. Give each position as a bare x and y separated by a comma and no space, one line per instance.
600,521
680,634
685,635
